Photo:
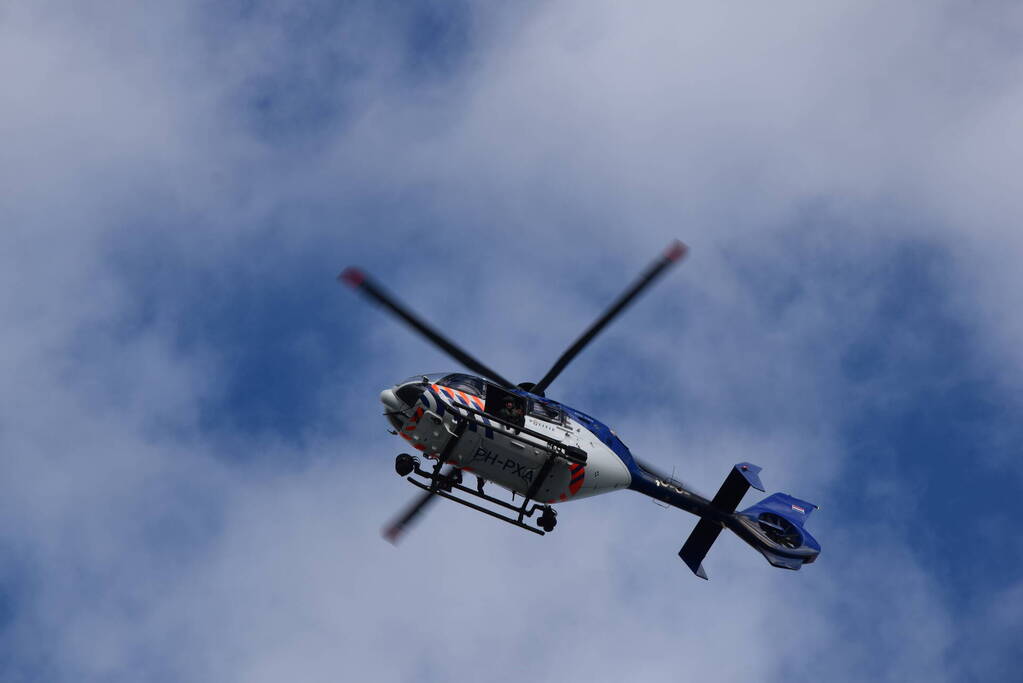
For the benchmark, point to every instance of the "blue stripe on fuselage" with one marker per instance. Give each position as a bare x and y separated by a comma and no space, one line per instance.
595,427
437,399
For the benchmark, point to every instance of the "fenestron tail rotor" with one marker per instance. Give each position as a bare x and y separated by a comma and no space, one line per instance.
780,530
675,251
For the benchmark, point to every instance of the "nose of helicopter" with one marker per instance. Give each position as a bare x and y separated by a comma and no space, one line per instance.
393,407
391,400
398,401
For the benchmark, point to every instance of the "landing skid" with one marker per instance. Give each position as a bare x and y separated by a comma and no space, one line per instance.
446,485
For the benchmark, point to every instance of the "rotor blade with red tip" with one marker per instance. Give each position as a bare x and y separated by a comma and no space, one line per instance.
356,278
675,251
394,530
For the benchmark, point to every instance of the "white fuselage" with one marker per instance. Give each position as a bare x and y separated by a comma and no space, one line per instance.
509,457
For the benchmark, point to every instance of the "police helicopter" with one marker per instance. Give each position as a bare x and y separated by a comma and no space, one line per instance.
545,452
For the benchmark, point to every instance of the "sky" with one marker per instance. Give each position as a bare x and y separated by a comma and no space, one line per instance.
194,470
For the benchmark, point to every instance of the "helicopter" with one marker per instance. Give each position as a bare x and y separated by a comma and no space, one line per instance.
548,453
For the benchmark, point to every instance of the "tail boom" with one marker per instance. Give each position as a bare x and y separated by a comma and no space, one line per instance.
774,526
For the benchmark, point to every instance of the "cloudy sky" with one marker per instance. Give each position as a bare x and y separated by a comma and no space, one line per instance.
194,470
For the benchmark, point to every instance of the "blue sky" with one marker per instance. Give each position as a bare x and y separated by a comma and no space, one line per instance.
194,466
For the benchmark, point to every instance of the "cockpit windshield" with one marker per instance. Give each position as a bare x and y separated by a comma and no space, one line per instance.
467,383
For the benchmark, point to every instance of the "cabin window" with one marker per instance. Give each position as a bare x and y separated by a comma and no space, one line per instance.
506,405
545,411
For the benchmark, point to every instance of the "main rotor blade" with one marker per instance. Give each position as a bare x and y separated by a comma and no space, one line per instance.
394,530
356,278
675,251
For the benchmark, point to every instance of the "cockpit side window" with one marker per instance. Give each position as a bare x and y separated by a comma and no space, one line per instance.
467,383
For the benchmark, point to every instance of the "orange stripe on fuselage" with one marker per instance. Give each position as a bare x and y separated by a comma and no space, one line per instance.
577,481
455,394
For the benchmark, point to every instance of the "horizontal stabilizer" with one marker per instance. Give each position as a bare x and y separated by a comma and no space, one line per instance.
697,545
736,484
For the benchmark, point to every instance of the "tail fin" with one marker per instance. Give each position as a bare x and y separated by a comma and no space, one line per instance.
777,529
739,480
774,526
